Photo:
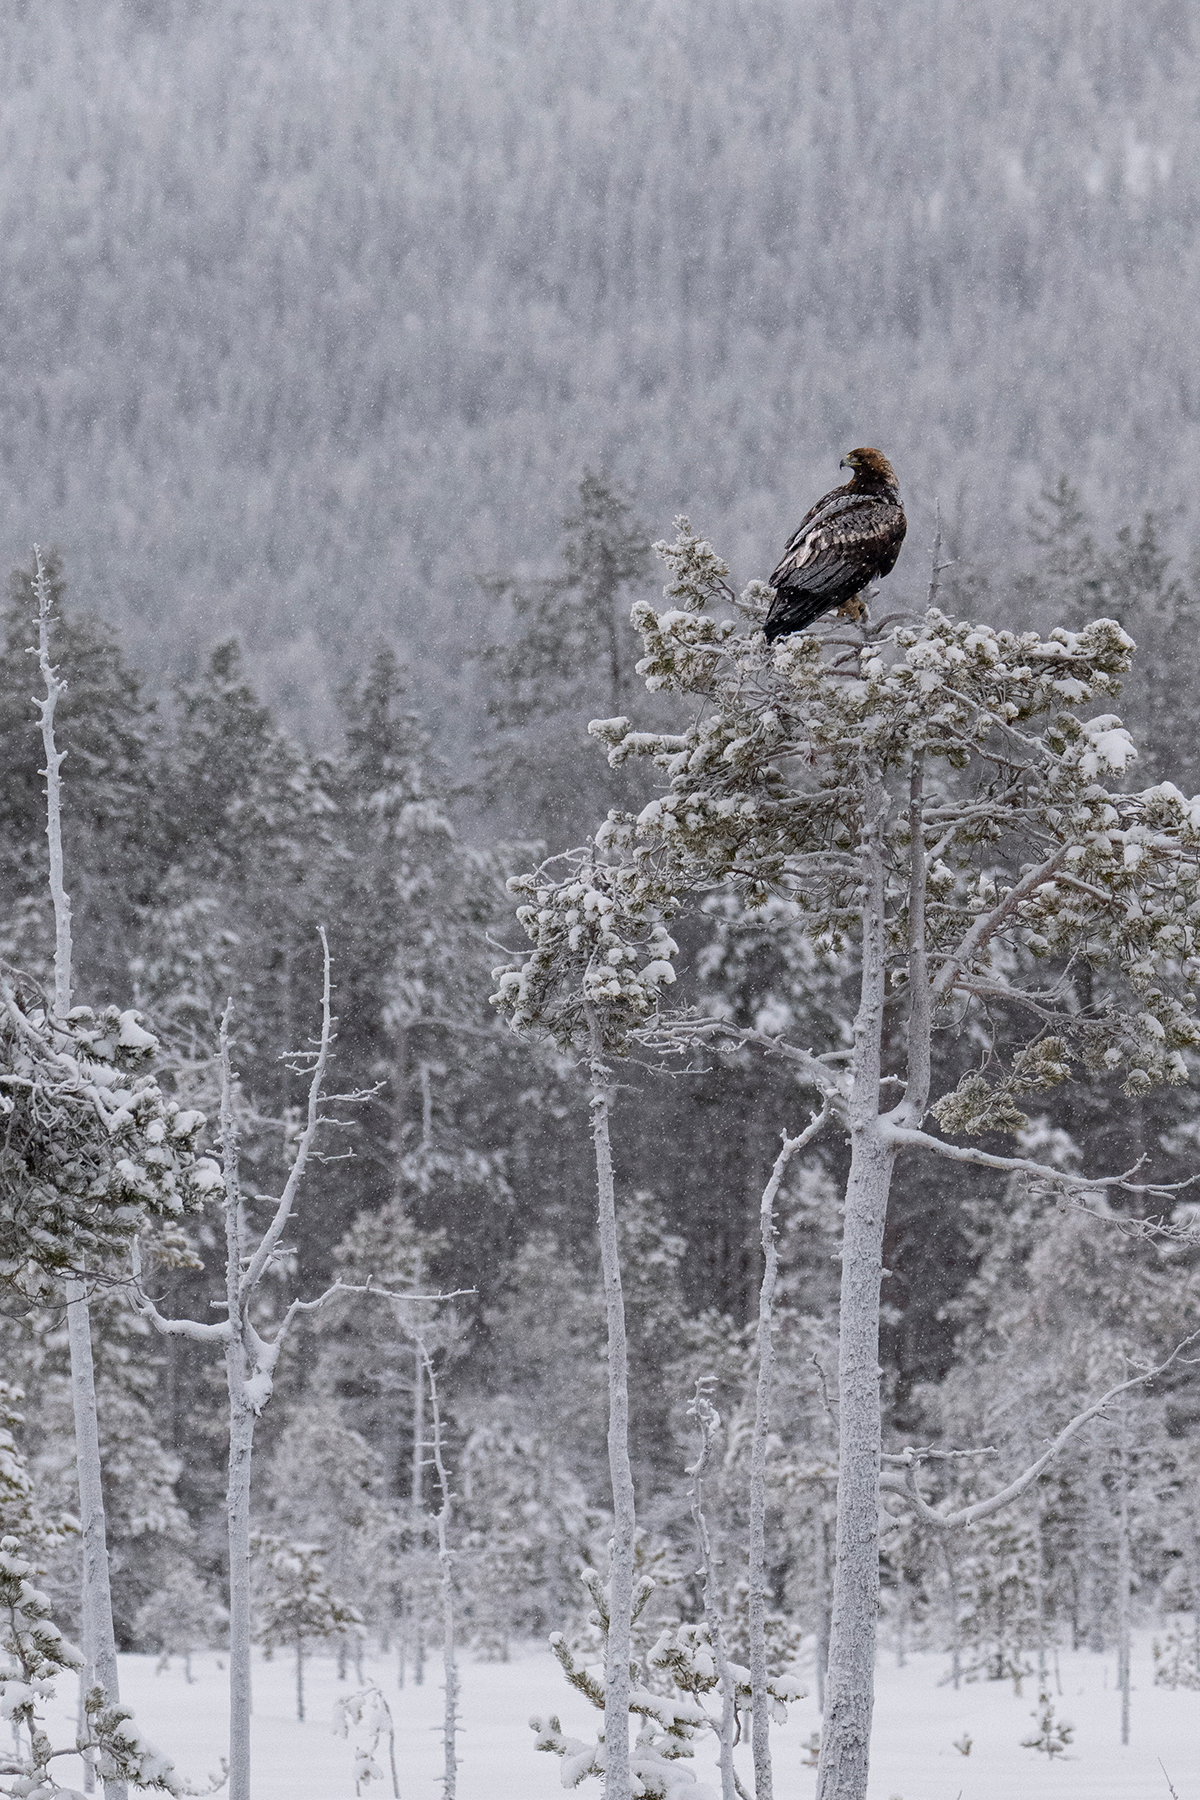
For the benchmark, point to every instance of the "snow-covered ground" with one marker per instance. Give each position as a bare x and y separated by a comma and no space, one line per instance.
917,1719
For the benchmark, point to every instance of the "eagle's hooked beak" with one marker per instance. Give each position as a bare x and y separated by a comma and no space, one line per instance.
845,463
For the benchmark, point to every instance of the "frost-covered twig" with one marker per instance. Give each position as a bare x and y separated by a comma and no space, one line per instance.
370,1710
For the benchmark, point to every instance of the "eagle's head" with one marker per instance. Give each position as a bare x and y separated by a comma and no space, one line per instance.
871,471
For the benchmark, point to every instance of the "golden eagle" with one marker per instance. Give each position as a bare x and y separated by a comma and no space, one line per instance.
848,539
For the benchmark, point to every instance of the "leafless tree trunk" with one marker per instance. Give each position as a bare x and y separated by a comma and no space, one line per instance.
761,1718
707,1421
1124,1566
446,1559
620,1614
99,1643
955,1621
821,1597
242,1417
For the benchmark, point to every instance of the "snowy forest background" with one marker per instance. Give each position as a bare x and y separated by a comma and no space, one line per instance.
351,358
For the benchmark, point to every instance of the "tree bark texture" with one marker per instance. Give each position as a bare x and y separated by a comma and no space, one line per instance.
850,1677
616,1681
99,1644
761,1717
241,1447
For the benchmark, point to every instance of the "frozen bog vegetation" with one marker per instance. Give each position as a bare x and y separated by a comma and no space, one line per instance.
780,1270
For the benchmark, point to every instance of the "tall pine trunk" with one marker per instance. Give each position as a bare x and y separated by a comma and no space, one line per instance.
850,1677
761,1715
237,1500
241,1447
620,1603
99,1643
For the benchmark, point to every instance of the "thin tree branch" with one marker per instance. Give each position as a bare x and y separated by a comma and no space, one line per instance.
274,1231
906,1483
906,1138
986,926
915,1104
54,762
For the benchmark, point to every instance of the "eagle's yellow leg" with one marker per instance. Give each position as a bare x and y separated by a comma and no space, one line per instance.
854,608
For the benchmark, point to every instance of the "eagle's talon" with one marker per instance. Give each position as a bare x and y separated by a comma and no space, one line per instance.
854,608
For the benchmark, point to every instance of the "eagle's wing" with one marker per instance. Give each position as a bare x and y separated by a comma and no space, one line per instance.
845,542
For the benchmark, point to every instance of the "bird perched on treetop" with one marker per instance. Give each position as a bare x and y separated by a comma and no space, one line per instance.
848,539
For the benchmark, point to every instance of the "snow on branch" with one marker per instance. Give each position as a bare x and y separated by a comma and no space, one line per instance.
904,1480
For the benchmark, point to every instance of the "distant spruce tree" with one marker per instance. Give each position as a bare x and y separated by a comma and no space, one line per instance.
569,657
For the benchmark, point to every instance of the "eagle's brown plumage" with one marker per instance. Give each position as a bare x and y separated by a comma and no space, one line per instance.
848,539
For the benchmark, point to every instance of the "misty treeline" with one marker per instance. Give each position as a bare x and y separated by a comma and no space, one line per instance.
321,307
204,849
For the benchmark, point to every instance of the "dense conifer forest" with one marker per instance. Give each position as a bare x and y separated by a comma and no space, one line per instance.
355,360
314,313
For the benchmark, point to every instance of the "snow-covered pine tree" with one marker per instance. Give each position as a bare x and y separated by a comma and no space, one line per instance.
296,1603
567,655
674,1691
602,954
413,901
108,730
34,1655
92,1148
324,1482
934,797
526,1523
370,1365
180,1619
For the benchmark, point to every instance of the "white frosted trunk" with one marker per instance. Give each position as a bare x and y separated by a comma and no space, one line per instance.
446,1560
616,1676
707,1419
821,1600
237,1500
955,1621
96,1599
1124,1571
850,1677
241,1446
761,1720
99,1645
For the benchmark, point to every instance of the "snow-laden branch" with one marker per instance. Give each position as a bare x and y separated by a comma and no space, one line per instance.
275,1229
680,1032
904,1137
904,1481
201,1331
